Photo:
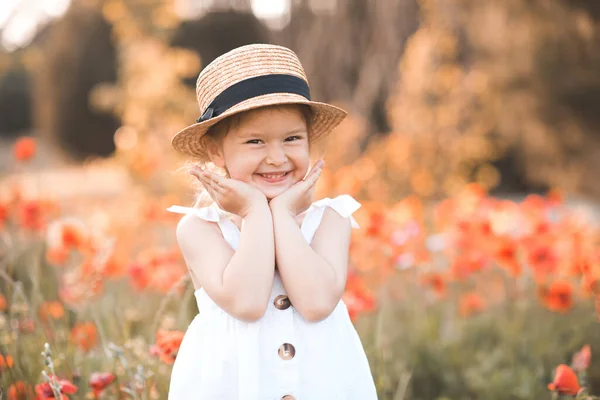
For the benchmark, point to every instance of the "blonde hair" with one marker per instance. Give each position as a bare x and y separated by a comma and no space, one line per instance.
212,140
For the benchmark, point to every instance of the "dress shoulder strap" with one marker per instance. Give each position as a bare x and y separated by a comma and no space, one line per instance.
345,205
212,214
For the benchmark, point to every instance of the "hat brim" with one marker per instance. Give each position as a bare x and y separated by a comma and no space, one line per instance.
325,117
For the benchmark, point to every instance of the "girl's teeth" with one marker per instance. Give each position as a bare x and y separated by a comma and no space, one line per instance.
273,176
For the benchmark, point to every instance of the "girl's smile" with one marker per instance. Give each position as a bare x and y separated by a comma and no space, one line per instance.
273,184
274,177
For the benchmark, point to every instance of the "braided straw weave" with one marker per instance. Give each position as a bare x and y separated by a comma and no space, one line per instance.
238,65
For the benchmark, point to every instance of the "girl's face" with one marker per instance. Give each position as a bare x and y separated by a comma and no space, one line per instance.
268,149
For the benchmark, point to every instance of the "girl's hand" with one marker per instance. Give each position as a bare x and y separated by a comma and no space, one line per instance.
298,197
231,195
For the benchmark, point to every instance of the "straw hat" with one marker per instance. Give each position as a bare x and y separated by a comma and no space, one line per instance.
250,77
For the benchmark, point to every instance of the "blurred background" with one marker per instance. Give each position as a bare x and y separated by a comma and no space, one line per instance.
472,141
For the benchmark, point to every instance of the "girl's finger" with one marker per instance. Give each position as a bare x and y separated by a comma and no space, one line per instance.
317,167
214,181
311,180
209,191
210,177
311,172
207,185
317,170
212,184
202,178
215,177
319,164
316,176
205,182
195,171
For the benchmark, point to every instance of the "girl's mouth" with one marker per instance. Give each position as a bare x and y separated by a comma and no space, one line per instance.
274,178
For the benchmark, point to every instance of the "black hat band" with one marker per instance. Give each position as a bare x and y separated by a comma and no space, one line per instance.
254,87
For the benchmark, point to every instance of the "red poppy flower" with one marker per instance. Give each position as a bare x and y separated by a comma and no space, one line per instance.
31,215
3,214
470,304
358,302
581,359
506,256
436,282
26,325
114,268
465,265
139,275
375,225
57,256
558,296
20,391
51,309
565,381
357,297
24,149
167,345
543,260
100,381
84,335
44,391
158,269
5,362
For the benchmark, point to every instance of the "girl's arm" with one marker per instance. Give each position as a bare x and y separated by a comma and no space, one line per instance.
238,281
314,276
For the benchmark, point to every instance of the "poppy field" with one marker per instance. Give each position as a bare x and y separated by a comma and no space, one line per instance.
456,292
469,297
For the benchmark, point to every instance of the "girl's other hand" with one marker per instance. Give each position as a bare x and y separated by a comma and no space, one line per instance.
298,197
231,195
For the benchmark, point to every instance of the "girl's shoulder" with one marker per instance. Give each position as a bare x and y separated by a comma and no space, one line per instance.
211,218
196,221
216,231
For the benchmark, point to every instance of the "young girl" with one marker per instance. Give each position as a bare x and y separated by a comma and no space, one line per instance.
268,264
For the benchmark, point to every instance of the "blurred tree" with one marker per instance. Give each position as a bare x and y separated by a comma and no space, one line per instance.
76,54
218,32
503,94
487,85
15,102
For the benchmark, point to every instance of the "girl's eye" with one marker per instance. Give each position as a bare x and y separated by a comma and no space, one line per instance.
288,139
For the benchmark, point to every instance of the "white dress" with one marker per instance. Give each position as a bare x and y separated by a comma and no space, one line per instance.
281,354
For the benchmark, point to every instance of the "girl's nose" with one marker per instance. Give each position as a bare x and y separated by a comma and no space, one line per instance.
276,156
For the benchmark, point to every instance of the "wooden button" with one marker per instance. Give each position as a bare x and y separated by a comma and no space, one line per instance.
282,302
287,351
